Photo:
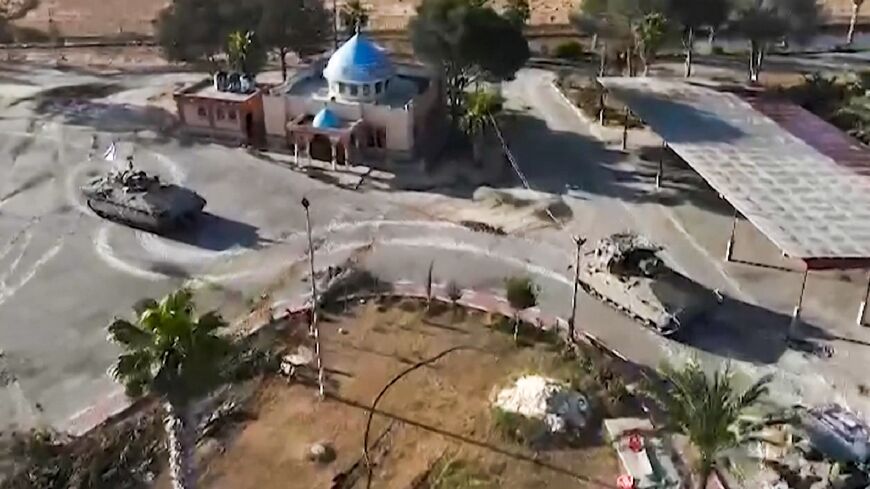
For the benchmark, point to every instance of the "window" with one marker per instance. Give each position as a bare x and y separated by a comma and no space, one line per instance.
201,112
354,90
367,90
342,88
220,114
379,86
231,114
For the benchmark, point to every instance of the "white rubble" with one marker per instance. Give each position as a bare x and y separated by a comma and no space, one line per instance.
549,400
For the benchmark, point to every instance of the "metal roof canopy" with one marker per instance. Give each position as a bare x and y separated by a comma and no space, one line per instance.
807,204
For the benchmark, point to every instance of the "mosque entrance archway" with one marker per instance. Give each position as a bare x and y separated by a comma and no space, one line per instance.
321,148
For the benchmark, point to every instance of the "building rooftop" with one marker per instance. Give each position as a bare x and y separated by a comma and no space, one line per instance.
206,89
401,91
326,119
359,60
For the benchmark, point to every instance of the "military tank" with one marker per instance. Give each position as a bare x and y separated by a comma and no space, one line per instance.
625,270
134,198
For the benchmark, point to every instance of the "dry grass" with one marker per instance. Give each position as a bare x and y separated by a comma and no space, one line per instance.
442,423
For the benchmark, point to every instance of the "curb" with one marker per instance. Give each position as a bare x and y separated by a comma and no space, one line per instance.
116,405
594,128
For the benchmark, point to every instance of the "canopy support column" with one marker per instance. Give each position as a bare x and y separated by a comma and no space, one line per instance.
625,129
796,314
863,308
602,104
729,248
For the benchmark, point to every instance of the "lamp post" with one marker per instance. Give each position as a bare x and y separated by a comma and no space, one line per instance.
314,328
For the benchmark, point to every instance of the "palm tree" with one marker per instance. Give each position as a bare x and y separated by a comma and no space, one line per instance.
354,16
240,46
856,9
480,107
708,410
176,356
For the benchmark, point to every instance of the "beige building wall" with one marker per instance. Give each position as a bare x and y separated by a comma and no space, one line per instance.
398,122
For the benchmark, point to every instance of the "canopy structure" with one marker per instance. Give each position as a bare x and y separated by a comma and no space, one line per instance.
809,205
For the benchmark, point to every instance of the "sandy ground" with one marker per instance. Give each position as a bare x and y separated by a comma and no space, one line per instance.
93,18
445,408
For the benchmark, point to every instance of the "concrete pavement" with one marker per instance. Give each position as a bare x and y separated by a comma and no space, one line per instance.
64,273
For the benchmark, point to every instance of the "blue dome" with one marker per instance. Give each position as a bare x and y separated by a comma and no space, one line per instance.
358,61
326,119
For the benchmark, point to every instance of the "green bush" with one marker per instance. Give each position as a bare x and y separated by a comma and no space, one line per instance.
570,50
459,474
522,292
516,427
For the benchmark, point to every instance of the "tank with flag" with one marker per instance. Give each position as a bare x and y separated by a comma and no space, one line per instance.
140,200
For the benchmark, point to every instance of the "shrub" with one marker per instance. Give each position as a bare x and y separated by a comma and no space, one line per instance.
459,474
570,50
522,292
454,291
516,427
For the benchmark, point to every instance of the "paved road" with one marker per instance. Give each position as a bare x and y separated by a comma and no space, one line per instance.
64,273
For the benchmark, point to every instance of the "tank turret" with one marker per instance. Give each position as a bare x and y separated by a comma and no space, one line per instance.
625,270
140,200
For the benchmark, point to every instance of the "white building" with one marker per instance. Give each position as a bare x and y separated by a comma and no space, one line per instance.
360,102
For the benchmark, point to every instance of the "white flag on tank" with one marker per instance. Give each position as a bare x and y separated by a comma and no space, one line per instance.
111,153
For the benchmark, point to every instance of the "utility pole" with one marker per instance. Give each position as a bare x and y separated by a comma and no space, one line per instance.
314,328
578,241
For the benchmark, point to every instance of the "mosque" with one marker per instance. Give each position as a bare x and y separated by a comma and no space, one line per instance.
355,103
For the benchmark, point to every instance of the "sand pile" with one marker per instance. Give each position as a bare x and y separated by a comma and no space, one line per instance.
549,400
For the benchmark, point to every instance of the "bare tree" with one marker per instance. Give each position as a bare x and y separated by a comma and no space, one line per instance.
853,20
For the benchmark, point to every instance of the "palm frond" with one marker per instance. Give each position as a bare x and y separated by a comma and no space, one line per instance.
210,321
128,334
144,304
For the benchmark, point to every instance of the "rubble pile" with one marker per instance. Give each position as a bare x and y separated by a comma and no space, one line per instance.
560,408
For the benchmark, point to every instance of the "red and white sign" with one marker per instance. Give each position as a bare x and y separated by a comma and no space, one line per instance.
625,481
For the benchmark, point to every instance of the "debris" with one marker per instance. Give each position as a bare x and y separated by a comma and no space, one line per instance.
554,402
321,452
301,357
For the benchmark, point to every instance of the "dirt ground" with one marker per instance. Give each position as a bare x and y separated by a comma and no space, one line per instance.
437,413
101,18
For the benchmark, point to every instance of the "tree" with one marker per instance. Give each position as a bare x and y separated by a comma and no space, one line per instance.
196,30
301,26
518,12
466,41
708,410
480,107
694,15
239,48
649,36
14,9
764,22
853,20
177,356
522,294
354,16
616,22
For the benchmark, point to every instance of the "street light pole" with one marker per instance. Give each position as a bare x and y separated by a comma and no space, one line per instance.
314,328
578,241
